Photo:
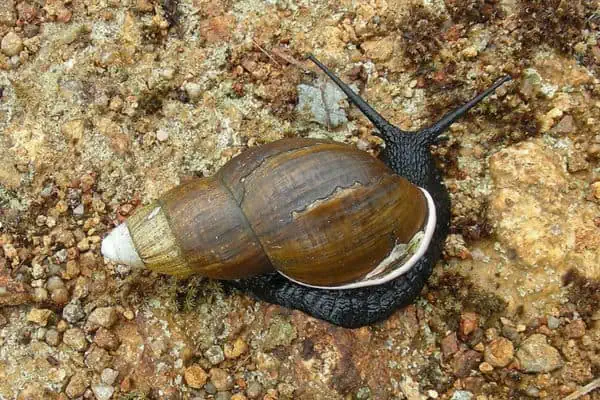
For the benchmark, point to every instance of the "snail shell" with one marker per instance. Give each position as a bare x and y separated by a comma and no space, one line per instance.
321,213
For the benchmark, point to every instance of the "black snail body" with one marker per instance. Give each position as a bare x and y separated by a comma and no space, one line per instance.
285,259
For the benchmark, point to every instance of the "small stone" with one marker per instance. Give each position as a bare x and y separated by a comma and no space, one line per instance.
72,270
195,376
77,385
106,339
128,314
553,322
38,271
102,391
254,390
576,162
485,367
238,396
462,395
75,338
11,44
54,283
60,296
39,316
102,316
162,135
499,353
536,355
210,388
479,347
52,337
575,329
62,326
223,396
465,361
468,323
109,376
449,344
221,379
433,394
286,390
83,244
193,90
214,354
98,359
236,349
73,312
596,189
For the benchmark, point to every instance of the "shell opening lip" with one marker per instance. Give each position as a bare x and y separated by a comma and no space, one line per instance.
393,274
118,247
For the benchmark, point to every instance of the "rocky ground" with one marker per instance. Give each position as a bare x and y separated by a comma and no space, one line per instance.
105,104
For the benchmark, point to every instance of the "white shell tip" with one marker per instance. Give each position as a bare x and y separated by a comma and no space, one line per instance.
118,247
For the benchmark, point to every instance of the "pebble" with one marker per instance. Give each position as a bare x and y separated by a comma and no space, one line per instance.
499,353
553,322
75,338
62,326
60,296
77,385
214,354
223,396
102,391
468,323
221,379
52,337
162,135
575,329
54,283
106,339
40,295
464,361
39,316
109,376
254,390
286,390
210,388
486,367
73,312
462,395
102,316
236,349
79,210
238,396
193,90
11,44
195,376
536,355
449,344
98,359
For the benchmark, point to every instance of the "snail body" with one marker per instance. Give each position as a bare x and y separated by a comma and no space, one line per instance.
308,224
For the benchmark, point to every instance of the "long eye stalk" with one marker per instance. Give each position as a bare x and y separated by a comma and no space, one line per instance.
387,130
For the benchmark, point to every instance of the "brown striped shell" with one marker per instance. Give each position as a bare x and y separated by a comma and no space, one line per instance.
320,212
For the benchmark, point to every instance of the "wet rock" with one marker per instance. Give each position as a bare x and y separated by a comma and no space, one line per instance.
73,312
11,44
465,361
214,354
39,316
575,329
75,338
195,376
536,355
102,391
499,353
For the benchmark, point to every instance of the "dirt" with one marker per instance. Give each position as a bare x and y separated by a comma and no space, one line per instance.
106,104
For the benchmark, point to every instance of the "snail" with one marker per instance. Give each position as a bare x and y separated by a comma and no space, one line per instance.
308,224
